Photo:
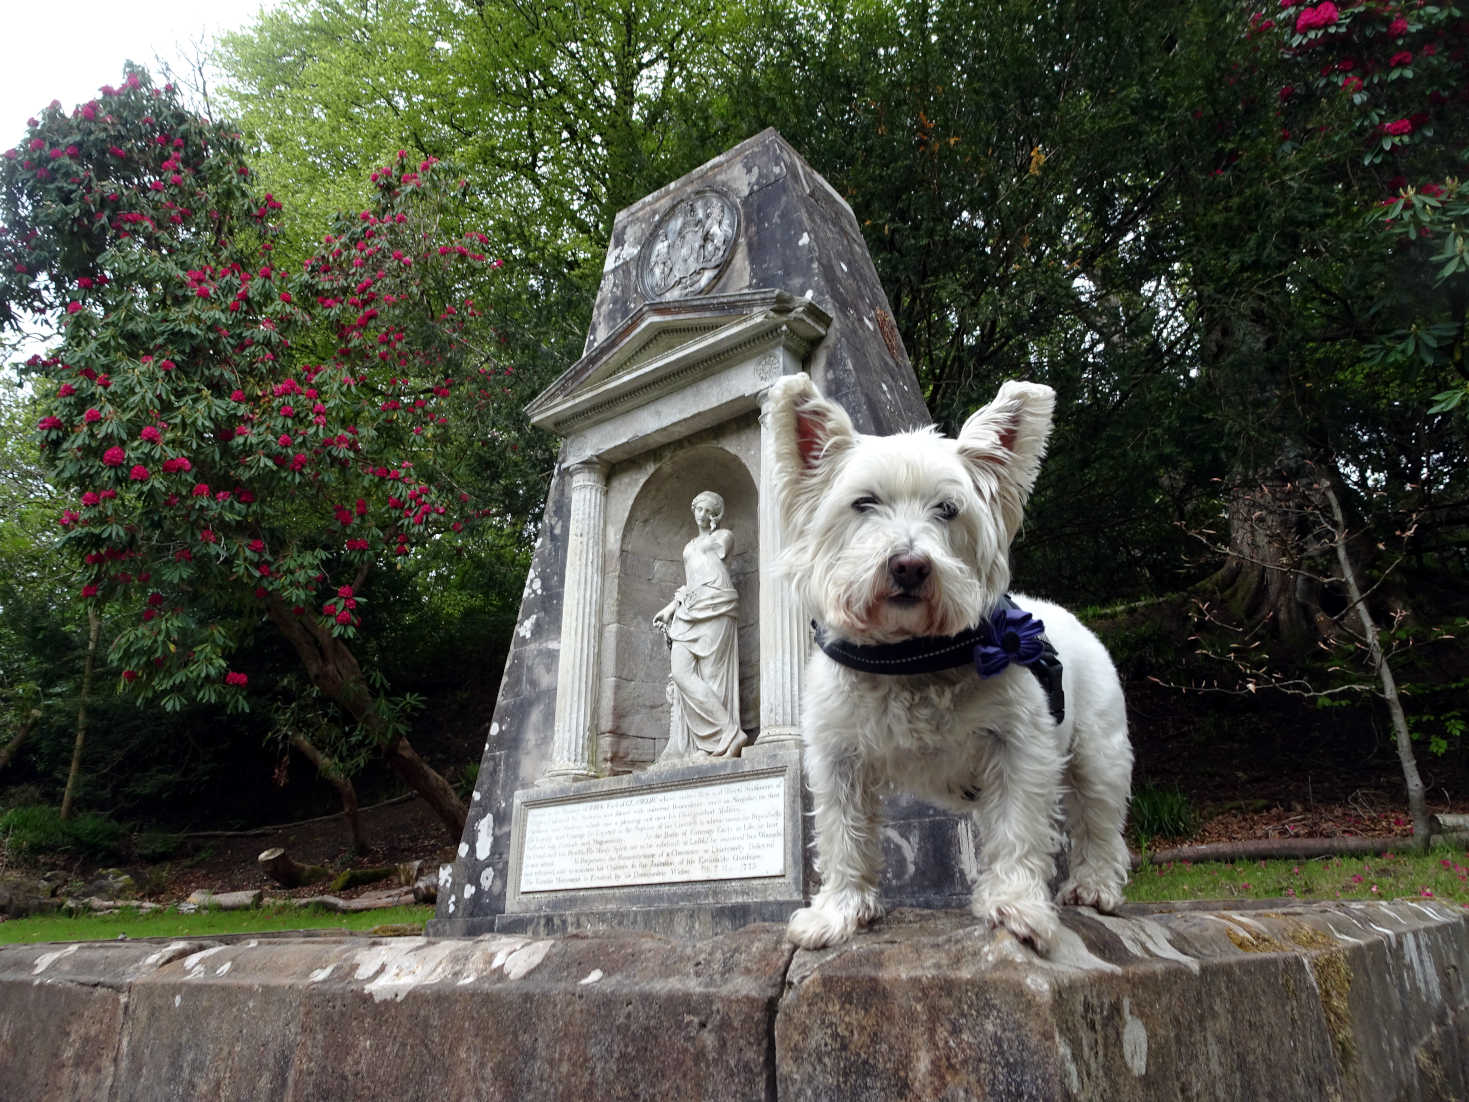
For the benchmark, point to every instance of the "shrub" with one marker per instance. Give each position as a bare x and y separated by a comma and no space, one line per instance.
1160,813
37,829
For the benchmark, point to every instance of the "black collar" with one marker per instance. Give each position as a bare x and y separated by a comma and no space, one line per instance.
1008,635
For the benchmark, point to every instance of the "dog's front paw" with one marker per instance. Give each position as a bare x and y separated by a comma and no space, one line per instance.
1103,896
1031,920
832,919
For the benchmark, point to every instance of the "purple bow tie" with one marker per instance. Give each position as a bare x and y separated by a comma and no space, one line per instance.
1013,635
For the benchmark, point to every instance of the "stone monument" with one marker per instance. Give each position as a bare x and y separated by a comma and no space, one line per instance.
748,268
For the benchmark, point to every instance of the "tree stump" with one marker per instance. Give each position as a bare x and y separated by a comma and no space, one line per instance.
277,864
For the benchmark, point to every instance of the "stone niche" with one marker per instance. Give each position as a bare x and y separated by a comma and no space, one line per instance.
649,520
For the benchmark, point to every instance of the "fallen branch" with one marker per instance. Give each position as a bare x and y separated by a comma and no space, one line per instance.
257,832
1270,848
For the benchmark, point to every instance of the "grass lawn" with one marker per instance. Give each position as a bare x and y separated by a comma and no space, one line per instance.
207,923
1441,874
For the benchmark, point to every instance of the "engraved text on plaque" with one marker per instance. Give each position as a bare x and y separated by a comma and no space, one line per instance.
727,830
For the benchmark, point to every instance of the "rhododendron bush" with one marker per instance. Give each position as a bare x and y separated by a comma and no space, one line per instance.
240,440
1387,84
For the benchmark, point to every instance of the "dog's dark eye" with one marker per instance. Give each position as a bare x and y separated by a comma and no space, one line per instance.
946,510
866,504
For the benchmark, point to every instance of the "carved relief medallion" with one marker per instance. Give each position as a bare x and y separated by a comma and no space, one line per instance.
689,246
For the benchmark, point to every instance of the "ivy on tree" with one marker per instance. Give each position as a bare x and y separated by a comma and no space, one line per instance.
238,441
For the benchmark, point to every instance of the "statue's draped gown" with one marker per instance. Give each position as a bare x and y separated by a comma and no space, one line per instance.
704,635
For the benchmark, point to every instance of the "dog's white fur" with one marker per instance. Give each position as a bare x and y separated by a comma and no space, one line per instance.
851,505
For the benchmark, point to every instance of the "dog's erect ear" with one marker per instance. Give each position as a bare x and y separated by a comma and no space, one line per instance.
811,435
1003,444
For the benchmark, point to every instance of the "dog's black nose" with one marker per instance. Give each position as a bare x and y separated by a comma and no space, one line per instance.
909,571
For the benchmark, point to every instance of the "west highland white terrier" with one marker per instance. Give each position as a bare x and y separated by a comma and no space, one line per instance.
929,678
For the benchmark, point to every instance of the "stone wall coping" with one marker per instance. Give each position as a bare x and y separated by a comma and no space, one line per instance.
1342,1000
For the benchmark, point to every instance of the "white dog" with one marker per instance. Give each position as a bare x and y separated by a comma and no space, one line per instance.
928,679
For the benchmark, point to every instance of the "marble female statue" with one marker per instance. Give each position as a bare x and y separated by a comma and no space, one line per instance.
701,625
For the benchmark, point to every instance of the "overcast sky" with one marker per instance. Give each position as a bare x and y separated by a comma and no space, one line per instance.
70,50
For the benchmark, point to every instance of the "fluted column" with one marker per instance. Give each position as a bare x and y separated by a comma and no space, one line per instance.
784,636
573,740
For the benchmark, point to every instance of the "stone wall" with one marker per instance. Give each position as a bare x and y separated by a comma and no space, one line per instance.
1346,1001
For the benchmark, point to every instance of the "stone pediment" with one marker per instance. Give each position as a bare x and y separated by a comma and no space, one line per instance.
668,345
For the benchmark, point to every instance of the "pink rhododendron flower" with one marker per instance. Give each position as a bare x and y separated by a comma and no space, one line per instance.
151,434
139,473
114,456
92,415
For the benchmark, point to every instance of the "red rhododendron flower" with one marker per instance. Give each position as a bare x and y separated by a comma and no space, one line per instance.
1398,27
1322,15
201,490
89,590
92,415
236,679
151,434
73,307
114,456
344,591
90,498
139,473
1402,57
46,424
129,675
65,390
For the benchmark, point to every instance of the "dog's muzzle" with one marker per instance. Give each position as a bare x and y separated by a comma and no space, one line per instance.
909,571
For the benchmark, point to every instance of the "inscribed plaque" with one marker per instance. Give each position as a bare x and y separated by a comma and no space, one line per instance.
726,830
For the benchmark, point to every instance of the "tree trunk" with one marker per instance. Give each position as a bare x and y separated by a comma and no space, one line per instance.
73,776
1262,581
334,670
11,748
332,772
1417,804
430,784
